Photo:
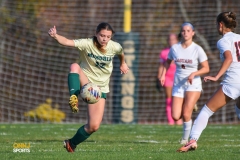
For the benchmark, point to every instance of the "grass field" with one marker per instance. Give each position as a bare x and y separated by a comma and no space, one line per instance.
118,142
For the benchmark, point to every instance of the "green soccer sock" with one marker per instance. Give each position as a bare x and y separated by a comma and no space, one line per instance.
73,84
80,136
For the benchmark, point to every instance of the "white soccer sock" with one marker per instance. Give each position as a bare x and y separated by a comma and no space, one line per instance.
237,111
186,129
201,122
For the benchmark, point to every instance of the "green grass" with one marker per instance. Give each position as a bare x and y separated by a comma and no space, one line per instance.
118,142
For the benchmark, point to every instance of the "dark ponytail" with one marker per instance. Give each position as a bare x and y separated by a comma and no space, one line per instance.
228,18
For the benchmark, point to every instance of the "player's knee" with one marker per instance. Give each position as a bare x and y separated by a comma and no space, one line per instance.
74,67
93,128
176,118
186,116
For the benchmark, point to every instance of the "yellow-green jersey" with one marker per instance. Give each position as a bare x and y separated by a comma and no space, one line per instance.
96,65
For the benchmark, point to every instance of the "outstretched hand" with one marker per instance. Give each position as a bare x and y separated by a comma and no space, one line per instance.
52,32
207,78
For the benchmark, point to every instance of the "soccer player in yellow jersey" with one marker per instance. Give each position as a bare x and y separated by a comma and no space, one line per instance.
95,65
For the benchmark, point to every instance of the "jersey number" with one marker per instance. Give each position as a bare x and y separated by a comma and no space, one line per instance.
237,45
100,65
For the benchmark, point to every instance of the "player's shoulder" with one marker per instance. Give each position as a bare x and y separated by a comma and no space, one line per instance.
112,42
88,40
233,37
83,40
194,44
230,36
114,45
176,46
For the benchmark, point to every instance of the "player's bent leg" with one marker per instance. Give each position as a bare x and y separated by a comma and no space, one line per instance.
75,68
179,122
95,115
177,108
74,77
190,99
218,100
169,111
199,125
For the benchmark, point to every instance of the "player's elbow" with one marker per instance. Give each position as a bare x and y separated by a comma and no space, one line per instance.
68,42
207,70
229,60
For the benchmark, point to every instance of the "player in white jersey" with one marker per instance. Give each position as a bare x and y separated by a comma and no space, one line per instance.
229,89
187,87
95,65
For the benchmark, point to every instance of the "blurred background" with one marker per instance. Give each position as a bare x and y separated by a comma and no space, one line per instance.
34,67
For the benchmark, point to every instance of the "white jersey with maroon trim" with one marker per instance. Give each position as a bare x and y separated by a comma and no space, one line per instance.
187,61
231,42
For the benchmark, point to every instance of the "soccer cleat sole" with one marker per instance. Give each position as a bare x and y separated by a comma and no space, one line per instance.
73,103
183,150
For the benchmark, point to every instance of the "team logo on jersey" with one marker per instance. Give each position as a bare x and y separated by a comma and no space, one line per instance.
184,61
183,66
101,58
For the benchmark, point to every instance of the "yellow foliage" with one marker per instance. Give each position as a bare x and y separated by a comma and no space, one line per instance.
45,112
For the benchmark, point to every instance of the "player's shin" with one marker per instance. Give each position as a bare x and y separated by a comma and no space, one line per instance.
201,122
73,84
80,136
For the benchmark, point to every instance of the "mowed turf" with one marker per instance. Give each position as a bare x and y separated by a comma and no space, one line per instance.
118,142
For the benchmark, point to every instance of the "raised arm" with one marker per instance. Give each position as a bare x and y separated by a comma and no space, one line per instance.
225,65
61,40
